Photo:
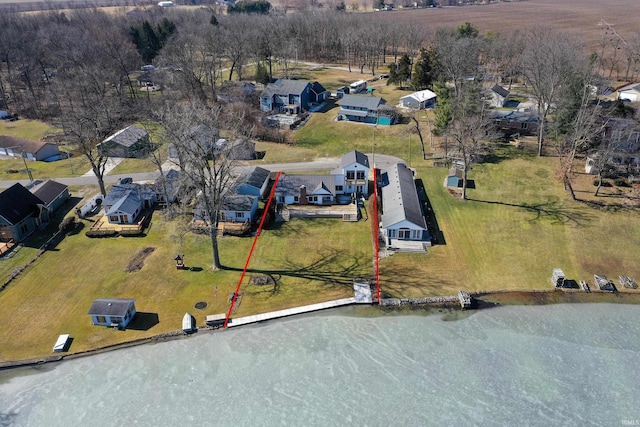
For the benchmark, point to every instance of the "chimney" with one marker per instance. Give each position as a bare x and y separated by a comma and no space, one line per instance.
303,196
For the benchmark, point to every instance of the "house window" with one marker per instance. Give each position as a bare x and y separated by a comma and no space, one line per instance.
393,233
360,174
404,233
416,234
113,218
239,214
338,187
117,320
125,218
314,198
296,199
524,125
350,174
101,319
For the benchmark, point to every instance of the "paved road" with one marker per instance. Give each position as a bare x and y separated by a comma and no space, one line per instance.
326,163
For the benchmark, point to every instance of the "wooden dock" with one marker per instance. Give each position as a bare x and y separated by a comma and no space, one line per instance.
238,321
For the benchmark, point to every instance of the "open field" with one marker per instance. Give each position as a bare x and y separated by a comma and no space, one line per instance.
53,296
579,17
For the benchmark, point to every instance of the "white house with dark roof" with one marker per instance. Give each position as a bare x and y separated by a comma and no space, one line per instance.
113,312
132,141
125,202
306,189
419,100
238,208
402,217
499,96
352,176
630,92
349,179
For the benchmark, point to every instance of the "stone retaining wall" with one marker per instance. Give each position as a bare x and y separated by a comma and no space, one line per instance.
399,302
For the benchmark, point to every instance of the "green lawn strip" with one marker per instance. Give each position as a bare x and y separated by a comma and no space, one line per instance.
282,153
14,168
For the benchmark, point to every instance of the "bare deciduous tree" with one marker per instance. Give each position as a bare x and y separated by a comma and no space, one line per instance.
205,169
549,60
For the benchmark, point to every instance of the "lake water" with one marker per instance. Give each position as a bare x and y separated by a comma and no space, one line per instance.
571,365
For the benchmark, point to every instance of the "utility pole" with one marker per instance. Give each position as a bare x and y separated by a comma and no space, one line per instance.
24,159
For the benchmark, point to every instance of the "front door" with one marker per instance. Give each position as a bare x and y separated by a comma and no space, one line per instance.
404,234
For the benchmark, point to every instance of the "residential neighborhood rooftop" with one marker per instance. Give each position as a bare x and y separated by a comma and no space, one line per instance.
401,198
421,96
16,202
284,86
361,101
292,183
48,190
500,91
354,157
127,136
110,307
21,144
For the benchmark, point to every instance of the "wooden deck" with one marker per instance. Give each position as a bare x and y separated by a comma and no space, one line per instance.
290,312
103,223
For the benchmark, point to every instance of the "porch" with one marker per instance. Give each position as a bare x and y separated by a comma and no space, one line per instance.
398,245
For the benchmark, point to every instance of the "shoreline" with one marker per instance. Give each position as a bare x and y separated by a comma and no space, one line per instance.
482,300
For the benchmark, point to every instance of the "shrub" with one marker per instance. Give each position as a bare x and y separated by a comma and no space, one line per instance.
130,233
67,224
604,183
101,233
621,182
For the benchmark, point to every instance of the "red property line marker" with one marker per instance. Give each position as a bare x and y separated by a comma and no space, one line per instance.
375,231
255,240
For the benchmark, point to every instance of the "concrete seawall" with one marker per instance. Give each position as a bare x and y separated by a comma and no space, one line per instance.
447,301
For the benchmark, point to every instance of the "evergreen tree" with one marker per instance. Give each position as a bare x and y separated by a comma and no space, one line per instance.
444,108
467,30
426,69
400,73
262,75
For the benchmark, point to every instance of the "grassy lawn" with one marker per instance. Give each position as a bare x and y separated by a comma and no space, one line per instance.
13,169
27,129
53,296
516,228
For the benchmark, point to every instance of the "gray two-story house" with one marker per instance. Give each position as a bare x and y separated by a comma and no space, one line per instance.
291,96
